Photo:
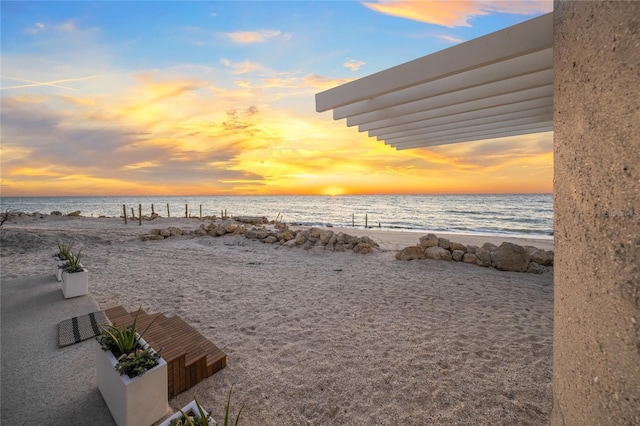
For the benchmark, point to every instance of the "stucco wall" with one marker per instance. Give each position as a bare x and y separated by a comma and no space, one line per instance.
597,213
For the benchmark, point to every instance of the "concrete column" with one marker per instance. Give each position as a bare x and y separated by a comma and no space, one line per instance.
596,360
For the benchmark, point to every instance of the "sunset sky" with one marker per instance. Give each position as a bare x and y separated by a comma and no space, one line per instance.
205,98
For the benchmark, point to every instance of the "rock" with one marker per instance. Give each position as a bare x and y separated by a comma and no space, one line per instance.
257,233
471,249
270,239
535,268
483,256
201,232
300,238
457,246
151,237
349,239
444,243
230,227
470,258
240,230
56,213
490,247
457,255
363,248
542,257
369,241
429,240
407,253
308,245
287,235
76,213
511,257
253,220
156,231
173,231
437,253
314,234
290,243
165,233
154,216
325,237
341,246
332,241
187,232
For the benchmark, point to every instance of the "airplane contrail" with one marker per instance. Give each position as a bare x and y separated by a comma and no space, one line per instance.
53,83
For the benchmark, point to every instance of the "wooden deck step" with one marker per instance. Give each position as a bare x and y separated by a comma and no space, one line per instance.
191,358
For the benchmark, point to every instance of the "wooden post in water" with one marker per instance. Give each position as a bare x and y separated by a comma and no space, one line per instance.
133,213
379,225
225,212
353,220
124,211
186,210
152,211
366,221
221,214
168,214
200,211
140,214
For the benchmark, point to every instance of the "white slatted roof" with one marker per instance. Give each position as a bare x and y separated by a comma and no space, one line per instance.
494,86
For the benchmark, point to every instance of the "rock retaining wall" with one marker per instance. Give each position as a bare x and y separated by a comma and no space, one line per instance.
279,234
506,257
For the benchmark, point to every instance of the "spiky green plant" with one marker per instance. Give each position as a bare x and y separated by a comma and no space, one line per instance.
188,420
124,343
64,250
226,411
123,339
73,263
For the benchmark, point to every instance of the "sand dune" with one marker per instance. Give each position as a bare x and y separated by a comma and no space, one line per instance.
317,337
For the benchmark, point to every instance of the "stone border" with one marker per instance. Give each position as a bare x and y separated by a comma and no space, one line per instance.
506,257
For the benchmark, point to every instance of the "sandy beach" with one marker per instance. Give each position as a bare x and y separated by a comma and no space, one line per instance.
321,337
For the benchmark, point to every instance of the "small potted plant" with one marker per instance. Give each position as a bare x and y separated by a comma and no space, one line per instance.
131,376
61,258
75,277
193,414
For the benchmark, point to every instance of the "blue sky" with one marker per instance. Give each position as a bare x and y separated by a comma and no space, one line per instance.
218,97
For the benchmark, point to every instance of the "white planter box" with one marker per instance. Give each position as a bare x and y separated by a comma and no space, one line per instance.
76,284
189,407
140,401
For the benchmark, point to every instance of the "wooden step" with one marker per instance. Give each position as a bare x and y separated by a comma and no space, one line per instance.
191,358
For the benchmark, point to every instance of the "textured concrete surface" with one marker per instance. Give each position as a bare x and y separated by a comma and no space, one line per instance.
597,213
42,383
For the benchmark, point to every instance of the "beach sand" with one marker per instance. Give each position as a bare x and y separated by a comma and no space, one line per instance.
320,337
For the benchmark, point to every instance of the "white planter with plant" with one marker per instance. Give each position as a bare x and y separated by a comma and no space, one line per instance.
75,278
131,376
191,414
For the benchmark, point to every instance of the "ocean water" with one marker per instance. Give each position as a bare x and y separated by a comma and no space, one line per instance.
507,215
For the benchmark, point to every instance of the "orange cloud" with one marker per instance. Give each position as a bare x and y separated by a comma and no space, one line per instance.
245,37
455,13
353,65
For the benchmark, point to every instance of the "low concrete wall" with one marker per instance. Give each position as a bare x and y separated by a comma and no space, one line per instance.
597,213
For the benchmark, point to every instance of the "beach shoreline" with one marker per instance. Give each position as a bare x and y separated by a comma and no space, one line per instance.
315,336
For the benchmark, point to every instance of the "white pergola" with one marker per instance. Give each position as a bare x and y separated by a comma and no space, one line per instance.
494,86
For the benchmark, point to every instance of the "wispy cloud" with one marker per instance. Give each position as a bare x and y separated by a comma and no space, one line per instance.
239,68
245,37
455,13
353,64
451,39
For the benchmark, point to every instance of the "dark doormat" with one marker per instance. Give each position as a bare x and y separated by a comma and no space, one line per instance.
80,328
